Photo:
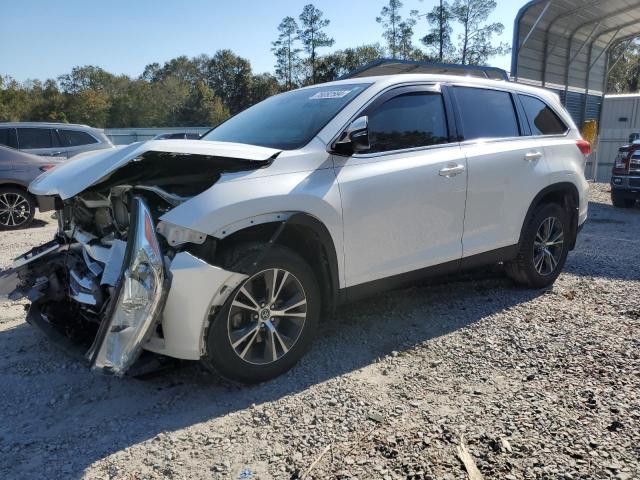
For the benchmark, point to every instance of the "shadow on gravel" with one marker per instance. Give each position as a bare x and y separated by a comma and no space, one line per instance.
36,223
50,403
609,239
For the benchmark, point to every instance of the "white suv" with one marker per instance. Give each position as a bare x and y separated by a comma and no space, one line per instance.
228,249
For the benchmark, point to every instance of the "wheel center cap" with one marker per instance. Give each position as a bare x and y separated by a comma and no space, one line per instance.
265,314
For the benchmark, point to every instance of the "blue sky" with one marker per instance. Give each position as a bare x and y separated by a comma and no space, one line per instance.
43,39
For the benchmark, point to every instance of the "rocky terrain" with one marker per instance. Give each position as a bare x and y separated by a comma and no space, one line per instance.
531,384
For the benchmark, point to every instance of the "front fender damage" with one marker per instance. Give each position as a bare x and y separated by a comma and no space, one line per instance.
116,279
159,304
58,308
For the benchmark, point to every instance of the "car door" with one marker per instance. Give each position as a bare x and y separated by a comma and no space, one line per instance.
506,167
40,141
403,201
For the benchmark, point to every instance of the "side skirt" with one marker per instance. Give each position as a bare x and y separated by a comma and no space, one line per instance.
368,289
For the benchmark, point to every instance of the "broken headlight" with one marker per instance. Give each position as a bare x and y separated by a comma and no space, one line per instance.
138,299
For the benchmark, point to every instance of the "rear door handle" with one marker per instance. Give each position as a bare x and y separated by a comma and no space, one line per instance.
451,170
533,156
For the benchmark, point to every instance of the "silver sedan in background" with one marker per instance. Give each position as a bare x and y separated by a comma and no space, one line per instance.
62,140
17,170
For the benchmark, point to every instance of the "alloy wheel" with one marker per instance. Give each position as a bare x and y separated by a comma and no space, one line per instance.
548,245
267,316
14,209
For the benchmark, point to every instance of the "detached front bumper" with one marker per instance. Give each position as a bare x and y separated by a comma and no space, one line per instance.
155,303
77,286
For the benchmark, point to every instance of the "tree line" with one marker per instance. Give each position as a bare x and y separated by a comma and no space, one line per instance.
297,47
205,90
624,63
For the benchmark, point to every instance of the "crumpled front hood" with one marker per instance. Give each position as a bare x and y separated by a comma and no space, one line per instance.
76,175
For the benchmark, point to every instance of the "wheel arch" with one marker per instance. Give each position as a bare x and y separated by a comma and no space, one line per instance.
564,194
14,183
303,233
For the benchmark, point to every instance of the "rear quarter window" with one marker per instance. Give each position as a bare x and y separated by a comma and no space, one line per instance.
542,119
75,138
486,113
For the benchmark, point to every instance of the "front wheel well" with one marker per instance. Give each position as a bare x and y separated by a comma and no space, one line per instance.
303,234
564,194
10,184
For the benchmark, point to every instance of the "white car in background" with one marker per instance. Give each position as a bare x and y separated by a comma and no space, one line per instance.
227,249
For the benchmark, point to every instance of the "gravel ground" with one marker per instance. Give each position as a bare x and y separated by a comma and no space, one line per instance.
539,384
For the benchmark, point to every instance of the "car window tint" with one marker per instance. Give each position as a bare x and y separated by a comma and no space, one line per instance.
410,120
75,138
486,113
542,120
8,137
34,138
55,139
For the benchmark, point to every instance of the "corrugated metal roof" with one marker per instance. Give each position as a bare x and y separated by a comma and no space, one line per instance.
564,43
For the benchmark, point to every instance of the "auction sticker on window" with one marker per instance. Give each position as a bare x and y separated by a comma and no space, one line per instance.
330,94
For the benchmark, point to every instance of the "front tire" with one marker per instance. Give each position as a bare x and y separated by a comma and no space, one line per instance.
17,208
269,321
543,249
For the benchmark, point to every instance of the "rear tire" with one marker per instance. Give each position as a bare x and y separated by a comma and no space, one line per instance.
17,208
620,201
268,323
543,248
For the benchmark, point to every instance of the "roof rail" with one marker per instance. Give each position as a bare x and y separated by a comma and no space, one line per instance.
390,66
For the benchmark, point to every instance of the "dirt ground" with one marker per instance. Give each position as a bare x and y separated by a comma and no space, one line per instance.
539,384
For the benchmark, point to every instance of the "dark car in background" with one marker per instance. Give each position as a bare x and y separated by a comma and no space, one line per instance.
17,170
178,136
625,175
53,139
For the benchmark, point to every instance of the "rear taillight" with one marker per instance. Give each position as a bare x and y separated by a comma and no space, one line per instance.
44,168
584,147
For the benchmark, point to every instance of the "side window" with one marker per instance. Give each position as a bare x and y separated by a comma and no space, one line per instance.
542,120
486,113
34,138
75,138
407,121
8,137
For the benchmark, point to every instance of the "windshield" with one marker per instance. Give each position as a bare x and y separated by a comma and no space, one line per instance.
287,121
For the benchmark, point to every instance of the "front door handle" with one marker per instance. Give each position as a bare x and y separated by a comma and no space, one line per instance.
451,170
532,156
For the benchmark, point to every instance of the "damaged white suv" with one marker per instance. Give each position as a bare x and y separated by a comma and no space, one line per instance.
228,249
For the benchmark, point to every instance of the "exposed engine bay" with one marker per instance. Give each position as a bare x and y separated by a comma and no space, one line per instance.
102,282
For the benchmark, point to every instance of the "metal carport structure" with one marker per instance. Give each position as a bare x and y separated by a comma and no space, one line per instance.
564,45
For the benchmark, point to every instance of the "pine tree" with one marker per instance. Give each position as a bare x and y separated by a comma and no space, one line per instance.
390,20
286,53
477,35
312,36
438,38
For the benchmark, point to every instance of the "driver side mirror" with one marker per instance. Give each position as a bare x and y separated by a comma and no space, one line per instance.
355,139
